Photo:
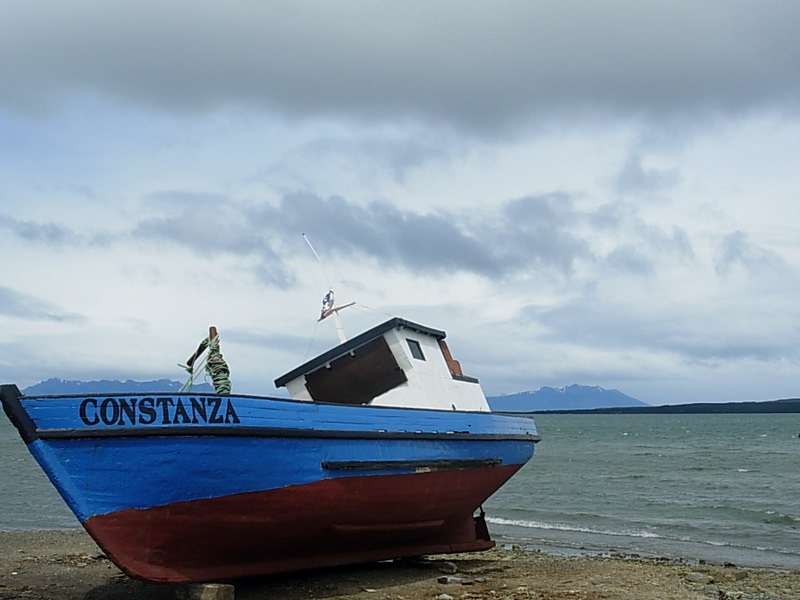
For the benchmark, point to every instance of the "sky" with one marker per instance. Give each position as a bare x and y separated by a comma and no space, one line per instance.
600,193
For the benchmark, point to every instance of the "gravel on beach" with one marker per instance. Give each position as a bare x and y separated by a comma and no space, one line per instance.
67,565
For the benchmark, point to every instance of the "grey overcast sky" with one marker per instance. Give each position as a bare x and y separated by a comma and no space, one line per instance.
602,193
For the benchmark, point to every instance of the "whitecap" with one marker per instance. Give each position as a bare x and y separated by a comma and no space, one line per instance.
565,527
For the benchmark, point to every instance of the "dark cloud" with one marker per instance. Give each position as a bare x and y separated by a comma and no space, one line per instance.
22,306
680,330
675,242
610,216
634,178
736,250
211,225
643,247
539,235
539,232
50,234
477,66
625,257
381,233
204,222
519,236
55,235
647,246
525,234
393,155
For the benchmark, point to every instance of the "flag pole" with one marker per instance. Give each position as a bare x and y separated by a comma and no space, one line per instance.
328,305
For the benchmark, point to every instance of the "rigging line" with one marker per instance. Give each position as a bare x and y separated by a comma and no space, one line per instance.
194,373
366,309
322,264
311,341
198,367
330,288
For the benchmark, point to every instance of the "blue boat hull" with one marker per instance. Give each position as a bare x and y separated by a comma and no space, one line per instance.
192,488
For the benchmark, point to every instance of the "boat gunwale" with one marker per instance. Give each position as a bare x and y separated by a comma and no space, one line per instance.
256,397
275,432
12,400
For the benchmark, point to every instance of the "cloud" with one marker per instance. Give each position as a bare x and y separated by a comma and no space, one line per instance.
477,67
736,250
537,232
625,257
379,153
49,234
572,187
643,247
525,233
634,178
674,327
207,223
379,233
55,235
546,235
22,306
212,225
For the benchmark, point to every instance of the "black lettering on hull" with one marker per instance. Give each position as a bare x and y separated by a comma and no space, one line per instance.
128,412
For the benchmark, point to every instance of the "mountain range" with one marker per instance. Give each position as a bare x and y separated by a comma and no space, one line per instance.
571,397
56,387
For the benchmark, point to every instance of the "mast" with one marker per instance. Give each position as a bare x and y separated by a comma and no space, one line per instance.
328,309
328,305
339,327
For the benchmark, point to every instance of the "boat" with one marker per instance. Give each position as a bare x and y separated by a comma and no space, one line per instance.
383,449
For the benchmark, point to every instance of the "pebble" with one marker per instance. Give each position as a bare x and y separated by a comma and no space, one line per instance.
697,577
448,568
739,575
205,591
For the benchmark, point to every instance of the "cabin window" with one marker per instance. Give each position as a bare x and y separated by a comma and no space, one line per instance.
416,349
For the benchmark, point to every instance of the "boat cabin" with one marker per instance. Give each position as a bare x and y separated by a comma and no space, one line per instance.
398,364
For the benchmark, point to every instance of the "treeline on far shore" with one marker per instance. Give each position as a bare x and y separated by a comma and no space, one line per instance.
788,405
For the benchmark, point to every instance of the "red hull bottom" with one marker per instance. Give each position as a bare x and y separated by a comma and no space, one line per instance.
331,522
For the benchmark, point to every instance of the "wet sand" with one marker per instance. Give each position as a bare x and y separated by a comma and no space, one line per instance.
67,565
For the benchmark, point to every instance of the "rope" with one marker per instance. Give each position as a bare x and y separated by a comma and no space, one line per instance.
187,387
215,367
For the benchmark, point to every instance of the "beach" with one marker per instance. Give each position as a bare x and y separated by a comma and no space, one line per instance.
67,565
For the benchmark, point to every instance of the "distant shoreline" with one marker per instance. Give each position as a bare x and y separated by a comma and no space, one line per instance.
789,405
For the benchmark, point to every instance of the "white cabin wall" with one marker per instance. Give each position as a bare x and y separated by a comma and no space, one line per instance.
297,389
430,383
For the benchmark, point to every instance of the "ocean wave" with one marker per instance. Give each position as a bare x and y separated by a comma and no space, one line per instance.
631,533
775,517
565,527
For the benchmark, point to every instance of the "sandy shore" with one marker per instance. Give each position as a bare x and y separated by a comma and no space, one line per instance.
67,565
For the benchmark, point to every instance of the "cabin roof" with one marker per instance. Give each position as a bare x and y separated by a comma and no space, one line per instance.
352,344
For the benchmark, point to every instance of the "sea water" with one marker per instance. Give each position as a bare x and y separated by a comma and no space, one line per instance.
720,488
